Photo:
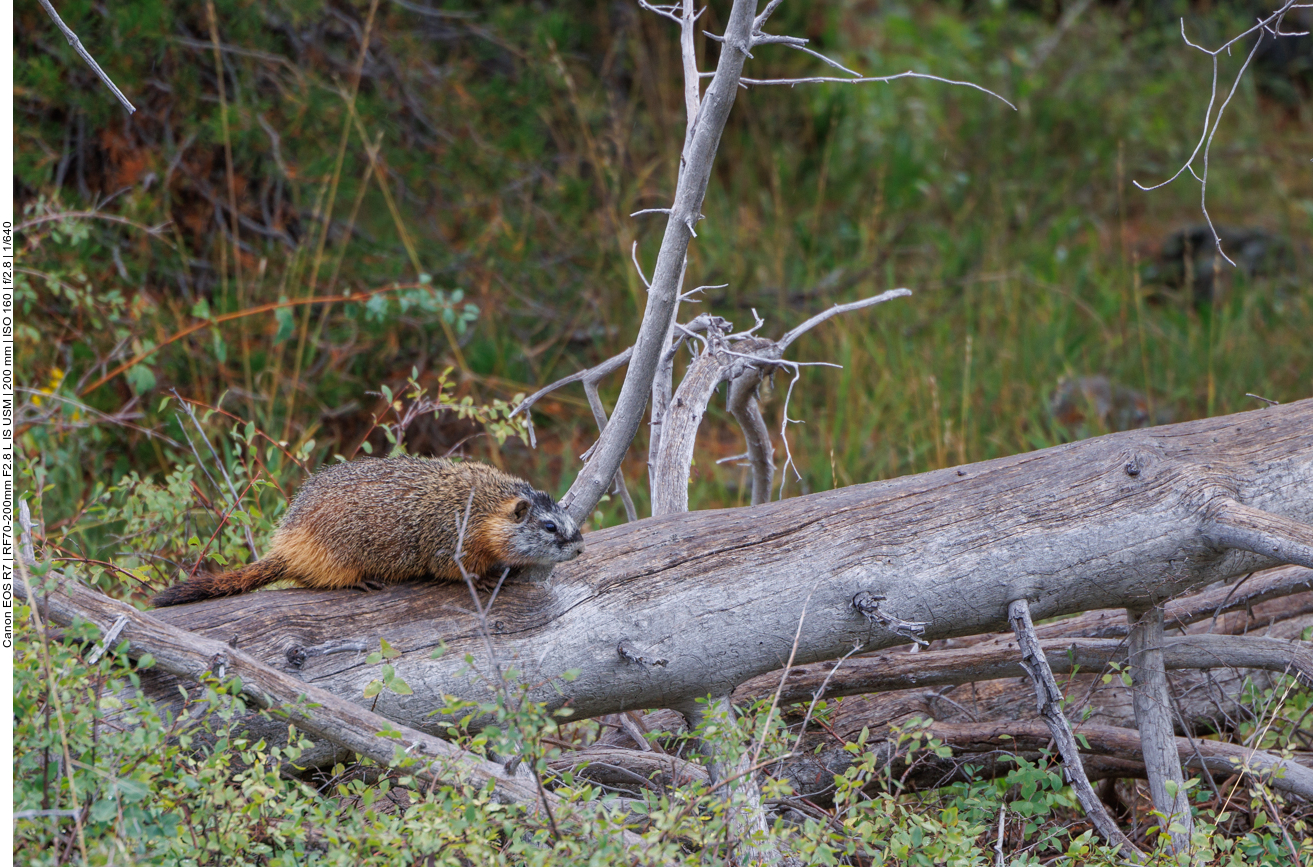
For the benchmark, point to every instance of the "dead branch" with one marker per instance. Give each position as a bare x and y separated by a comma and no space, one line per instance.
1250,591
1153,717
1266,27
86,55
895,670
1211,702
742,363
787,340
662,299
1050,708
745,409
593,374
1209,699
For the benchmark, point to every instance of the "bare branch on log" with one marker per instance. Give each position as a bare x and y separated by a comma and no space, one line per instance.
1249,591
679,428
662,299
837,309
86,55
593,374
1245,528
599,415
746,359
589,378
1153,717
1050,708
663,387
746,410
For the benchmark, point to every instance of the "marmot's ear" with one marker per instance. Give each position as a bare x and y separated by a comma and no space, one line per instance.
521,510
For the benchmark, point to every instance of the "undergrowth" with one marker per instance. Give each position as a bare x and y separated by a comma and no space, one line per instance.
105,775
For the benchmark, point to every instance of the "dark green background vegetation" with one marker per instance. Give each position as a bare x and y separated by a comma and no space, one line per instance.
517,137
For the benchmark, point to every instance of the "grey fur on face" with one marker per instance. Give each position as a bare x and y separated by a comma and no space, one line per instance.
548,531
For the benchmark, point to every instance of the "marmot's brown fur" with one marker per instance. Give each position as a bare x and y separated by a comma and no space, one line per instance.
385,521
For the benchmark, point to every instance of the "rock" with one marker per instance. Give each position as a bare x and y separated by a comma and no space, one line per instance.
1190,257
1090,405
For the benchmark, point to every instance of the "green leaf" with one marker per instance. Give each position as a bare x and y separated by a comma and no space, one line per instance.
141,378
103,810
286,322
376,308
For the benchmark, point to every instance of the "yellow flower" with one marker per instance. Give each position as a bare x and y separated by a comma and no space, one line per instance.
56,379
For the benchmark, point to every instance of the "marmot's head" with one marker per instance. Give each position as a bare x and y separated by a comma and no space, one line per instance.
543,533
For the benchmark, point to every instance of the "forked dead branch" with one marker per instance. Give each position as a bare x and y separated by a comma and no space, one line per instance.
1267,29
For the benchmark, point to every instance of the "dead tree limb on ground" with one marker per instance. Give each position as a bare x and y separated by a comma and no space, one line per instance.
704,601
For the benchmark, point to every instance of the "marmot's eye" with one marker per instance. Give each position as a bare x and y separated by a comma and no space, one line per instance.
549,526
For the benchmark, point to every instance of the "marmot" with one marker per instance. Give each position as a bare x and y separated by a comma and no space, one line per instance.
377,521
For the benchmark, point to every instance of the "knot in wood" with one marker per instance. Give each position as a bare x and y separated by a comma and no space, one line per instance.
296,656
629,654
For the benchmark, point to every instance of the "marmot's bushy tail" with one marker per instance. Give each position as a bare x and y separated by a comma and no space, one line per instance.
206,586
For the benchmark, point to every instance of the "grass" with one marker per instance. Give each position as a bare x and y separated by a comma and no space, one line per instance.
512,159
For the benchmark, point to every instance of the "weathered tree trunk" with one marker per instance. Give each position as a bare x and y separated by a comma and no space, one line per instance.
665,611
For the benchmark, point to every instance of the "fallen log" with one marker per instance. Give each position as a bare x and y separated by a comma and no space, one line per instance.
663,612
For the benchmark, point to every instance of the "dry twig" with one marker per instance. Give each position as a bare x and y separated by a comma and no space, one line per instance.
86,55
